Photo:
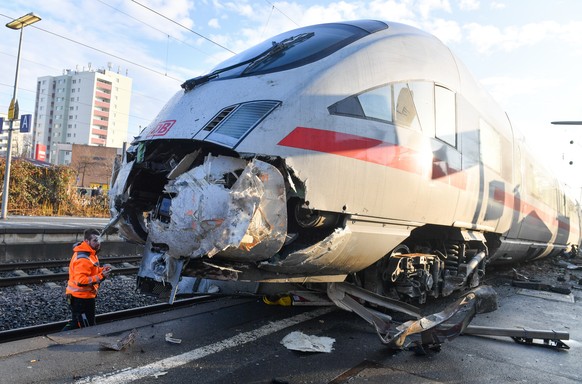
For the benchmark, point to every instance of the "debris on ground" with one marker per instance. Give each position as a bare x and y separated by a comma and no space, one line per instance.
559,274
299,341
124,342
171,339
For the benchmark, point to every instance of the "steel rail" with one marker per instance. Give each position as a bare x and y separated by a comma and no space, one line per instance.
44,277
4,267
46,329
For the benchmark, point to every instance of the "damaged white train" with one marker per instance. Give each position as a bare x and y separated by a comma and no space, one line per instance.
356,152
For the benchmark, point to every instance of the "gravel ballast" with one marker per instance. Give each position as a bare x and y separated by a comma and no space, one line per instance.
46,303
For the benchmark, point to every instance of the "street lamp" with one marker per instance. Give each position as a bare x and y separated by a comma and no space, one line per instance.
19,23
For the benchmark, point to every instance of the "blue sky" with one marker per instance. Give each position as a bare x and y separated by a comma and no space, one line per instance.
527,53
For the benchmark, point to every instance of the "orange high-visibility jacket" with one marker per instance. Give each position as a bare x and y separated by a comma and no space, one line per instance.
85,274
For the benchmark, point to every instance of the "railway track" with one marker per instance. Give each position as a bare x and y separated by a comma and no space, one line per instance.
46,329
38,272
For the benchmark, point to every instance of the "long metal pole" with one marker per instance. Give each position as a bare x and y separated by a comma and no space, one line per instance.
6,187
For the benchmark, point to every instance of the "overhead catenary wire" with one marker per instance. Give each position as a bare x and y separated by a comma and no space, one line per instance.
110,54
163,73
183,26
281,12
100,51
152,27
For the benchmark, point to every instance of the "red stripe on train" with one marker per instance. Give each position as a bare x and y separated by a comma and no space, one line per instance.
372,151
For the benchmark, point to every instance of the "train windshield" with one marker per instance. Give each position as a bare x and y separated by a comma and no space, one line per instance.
296,48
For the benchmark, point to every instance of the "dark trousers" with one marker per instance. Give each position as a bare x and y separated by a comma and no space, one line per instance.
82,313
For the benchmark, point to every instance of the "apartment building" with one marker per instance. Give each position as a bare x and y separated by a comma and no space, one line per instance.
88,108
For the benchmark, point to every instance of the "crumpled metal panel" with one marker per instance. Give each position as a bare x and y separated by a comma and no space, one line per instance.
161,271
118,198
315,259
247,222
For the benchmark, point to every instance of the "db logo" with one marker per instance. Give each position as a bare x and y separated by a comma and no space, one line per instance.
162,128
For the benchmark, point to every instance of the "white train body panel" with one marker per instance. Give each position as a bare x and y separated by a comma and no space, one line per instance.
384,144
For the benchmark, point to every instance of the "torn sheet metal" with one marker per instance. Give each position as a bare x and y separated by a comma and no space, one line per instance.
118,198
157,266
426,332
118,190
247,221
431,331
122,343
315,259
299,341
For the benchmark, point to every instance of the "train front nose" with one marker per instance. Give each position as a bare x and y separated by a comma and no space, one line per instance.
226,208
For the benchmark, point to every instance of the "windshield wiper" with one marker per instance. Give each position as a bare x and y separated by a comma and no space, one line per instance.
275,49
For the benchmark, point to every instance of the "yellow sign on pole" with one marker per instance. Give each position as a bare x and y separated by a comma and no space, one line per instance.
13,110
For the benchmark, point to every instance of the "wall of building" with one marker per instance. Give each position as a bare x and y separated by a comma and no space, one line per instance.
93,164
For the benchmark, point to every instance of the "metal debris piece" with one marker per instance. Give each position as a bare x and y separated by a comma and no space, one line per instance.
418,335
519,276
122,343
570,266
549,338
299,341
541,286
171,339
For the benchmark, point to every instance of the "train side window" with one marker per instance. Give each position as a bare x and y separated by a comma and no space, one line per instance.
377,103
490,146
405,114
347,107
445,123
423,96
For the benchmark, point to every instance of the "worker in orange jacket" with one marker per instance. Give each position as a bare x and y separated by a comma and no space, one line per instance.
85,275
